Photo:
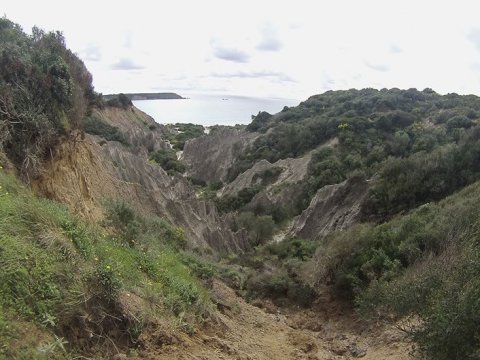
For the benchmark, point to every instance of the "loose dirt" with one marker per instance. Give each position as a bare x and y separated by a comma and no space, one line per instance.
242,331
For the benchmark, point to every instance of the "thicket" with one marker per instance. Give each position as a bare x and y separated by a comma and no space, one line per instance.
179,133
167,159
120,101
95,126
377,132
423,267
280,272
45,92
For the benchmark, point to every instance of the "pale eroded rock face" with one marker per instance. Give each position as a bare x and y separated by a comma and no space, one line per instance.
334,207
210,157
85,174
282,192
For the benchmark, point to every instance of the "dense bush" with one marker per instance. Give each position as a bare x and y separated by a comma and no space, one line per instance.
45,91
361,130
259,227
121,101
422,266
230,203
167,159
95,126
179,133
405,183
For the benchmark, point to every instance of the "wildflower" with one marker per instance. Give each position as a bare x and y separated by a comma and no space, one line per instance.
107,267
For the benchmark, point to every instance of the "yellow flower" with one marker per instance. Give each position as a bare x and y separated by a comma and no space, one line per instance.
108,267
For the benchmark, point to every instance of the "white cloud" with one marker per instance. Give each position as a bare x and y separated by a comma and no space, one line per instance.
259,45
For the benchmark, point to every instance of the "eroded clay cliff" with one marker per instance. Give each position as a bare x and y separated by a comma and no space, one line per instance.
85,173
209,157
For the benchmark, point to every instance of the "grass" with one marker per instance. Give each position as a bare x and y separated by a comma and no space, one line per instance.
66,279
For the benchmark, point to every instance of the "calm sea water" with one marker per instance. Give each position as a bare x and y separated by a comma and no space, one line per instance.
211,109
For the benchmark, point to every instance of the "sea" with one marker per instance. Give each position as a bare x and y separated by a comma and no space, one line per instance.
208,110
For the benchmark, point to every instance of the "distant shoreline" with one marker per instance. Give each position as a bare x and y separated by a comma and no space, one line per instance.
147,96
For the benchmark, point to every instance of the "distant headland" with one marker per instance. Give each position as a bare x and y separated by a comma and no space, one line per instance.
147,96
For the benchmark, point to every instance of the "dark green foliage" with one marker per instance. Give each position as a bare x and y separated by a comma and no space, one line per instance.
359,130
167,159
423,265
406,183
260,227
268,176
45,91
230,203
259,122
291,248
279,275
95,126
120,101
180,133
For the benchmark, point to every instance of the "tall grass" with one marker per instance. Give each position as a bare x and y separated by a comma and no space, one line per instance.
68,278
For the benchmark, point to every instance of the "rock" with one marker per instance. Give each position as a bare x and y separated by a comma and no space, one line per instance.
334,207
119,356
84,174
210,157
282,192
356,352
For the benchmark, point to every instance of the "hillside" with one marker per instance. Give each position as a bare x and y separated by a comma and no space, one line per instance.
345,227
146,96
356,175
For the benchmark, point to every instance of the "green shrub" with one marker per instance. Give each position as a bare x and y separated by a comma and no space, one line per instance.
281,287
167,159
95,126
230,203
180,133
259,228
45,91
423,266
291,248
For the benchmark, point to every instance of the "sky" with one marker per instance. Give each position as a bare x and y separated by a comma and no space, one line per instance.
281,49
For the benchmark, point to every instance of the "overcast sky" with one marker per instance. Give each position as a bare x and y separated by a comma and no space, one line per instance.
285,49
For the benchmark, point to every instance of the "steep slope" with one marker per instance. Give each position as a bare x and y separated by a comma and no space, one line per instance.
333,208
87,173
210,157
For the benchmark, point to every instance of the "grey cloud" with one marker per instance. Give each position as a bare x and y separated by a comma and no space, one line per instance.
269,39
126,64
377,67
394,49
474,37
230,54
128,43
475,67
256,74
92,53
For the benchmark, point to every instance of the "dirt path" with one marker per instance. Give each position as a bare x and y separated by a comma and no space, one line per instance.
246,332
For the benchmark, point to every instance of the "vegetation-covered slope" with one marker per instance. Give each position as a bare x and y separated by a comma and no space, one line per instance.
423,266
71,283
381,133
45,92
72,289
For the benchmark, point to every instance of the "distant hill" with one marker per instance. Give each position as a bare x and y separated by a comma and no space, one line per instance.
146,96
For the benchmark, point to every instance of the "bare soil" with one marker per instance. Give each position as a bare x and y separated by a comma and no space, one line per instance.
242,331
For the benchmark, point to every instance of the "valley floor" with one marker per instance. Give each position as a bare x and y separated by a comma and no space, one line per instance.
243,332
